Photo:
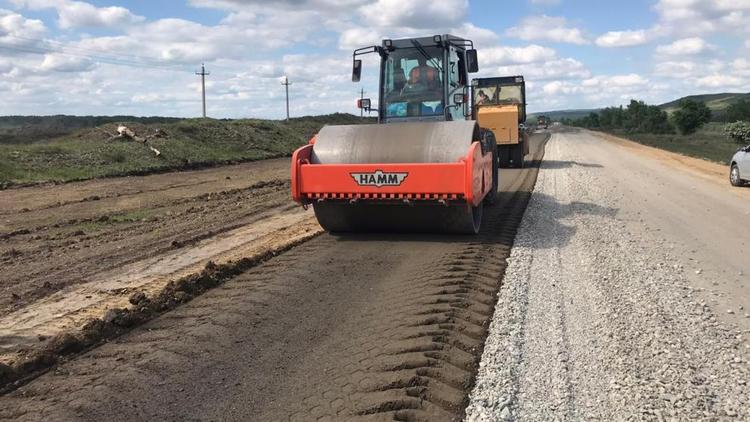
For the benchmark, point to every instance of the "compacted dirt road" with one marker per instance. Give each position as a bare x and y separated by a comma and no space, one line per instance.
70,252
627,292
371,326
55,236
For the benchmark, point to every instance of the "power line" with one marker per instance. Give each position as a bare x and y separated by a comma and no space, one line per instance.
286,84
203,75
99,59
66,48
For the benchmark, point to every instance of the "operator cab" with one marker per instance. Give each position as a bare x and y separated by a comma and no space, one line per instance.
500,91
421,79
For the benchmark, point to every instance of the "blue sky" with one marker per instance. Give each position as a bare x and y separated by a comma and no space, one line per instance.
139,57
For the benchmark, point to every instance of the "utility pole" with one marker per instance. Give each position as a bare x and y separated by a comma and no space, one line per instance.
286,84
203,75
361,97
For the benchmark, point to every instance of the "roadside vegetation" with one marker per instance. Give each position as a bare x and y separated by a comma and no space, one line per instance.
94,151
690,127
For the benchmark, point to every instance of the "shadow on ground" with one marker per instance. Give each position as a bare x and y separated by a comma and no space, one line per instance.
563,164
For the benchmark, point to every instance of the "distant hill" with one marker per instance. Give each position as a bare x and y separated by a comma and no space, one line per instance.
563,114
718,103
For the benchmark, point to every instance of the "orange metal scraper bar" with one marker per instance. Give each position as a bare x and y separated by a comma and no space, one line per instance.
466,179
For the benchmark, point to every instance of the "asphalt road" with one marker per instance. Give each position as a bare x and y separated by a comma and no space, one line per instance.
369,326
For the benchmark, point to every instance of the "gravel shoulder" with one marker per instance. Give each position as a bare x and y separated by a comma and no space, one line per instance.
624,297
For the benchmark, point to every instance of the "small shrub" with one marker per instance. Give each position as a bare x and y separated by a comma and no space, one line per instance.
739,132
691,116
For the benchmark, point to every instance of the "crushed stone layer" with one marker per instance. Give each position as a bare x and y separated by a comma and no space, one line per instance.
598,317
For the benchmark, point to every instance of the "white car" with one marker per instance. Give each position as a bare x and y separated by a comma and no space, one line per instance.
739,169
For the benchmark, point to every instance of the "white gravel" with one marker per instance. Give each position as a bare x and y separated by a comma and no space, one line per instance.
597,321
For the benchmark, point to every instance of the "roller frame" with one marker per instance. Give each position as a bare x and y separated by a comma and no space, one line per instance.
467,180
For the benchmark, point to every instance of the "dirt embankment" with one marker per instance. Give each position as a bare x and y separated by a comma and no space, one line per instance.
73,253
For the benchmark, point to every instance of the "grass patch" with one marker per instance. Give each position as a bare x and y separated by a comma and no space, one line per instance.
708,143
190,143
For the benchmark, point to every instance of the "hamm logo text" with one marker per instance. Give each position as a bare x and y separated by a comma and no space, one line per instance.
379,178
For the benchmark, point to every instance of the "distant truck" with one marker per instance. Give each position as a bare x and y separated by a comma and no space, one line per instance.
499,104
542,121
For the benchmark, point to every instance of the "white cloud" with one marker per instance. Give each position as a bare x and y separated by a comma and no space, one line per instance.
622,38
359,37
560,87
741,67
685,46
421,14
77,14
720,81
631,80
676,69
16,29
566,68
548,28
482,37
697,17
245,5
500,56
60,63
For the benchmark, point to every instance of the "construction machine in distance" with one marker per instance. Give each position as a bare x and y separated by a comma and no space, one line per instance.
542,121
500,106
426,166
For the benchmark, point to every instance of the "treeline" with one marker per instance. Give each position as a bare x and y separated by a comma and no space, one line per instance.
639,117
738,111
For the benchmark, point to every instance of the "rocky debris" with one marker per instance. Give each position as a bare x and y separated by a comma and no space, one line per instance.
138,298
65,343
595,322
124,132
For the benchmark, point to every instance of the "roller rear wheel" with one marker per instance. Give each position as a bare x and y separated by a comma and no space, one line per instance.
491,196
516,155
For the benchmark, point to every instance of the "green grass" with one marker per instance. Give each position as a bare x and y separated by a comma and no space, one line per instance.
708,143
191,143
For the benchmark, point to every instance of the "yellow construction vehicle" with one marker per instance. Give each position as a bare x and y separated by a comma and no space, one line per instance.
500,106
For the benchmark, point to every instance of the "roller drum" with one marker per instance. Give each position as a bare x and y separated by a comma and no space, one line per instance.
412,142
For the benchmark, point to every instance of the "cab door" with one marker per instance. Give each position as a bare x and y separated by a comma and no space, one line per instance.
456,84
